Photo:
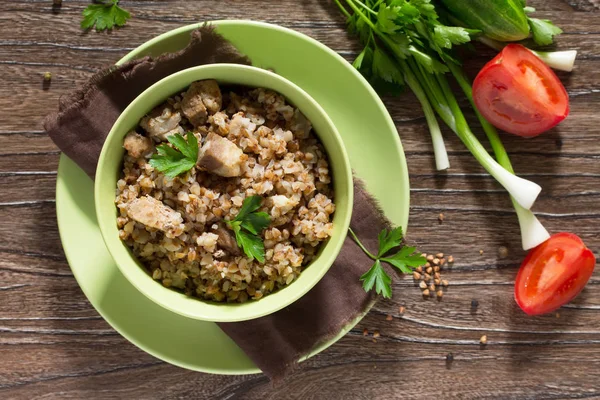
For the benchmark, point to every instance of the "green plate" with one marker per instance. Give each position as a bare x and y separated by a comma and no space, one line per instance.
375,153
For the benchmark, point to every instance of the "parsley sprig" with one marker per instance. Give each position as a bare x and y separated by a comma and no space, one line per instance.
178,159
105,14
542,30
404,259
248,225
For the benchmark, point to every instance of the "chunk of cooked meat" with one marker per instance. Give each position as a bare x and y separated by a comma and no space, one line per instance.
280,204
226,240
162,122
154,214
220,156
137,145
200,100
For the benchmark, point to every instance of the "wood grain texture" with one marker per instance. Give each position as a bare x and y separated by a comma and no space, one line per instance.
53,344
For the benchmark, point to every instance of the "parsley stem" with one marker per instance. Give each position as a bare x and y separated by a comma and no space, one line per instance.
342,9
363,5
361,245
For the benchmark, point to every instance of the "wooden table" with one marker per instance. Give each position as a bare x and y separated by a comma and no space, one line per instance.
54,344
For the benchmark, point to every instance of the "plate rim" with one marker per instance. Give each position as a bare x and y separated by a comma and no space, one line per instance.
404,179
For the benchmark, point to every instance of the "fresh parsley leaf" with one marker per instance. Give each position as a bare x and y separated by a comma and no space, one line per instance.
376,276
256,222
388,240
105,15
249,205
447,36
247,226
384,67
182,157
543,31
406,259
252,245
528,10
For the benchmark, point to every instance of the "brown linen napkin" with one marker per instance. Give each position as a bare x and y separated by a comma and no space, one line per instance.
274,342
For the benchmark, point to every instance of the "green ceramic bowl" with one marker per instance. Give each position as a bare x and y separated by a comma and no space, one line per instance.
110,165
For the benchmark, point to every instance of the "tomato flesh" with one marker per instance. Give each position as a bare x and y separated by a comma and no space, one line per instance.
518,93
553,273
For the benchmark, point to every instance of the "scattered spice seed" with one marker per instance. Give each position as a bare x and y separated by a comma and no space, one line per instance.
436,261
427,265
419,269
376,334
432,287
440,255
481,252
416,276
423,285
389,317
374,340
450,260
427,278
502,251
444,283
436,269
440,294
424,255
442,262
57,2
430,258
429,270
474,303
365,332
401,310
483,339
437,281
449,357
441,217
47,76
557,315
426,293
437,275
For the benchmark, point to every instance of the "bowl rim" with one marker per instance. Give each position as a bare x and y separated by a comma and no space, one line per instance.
251,312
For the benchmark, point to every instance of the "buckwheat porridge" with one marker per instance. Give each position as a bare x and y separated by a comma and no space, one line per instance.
178,203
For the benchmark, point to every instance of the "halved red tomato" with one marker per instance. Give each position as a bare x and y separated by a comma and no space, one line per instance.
518,93
553,273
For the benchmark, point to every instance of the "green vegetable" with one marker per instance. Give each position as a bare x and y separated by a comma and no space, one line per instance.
543,31
248,225
503,20
105,14
404,260
178,159
408,40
